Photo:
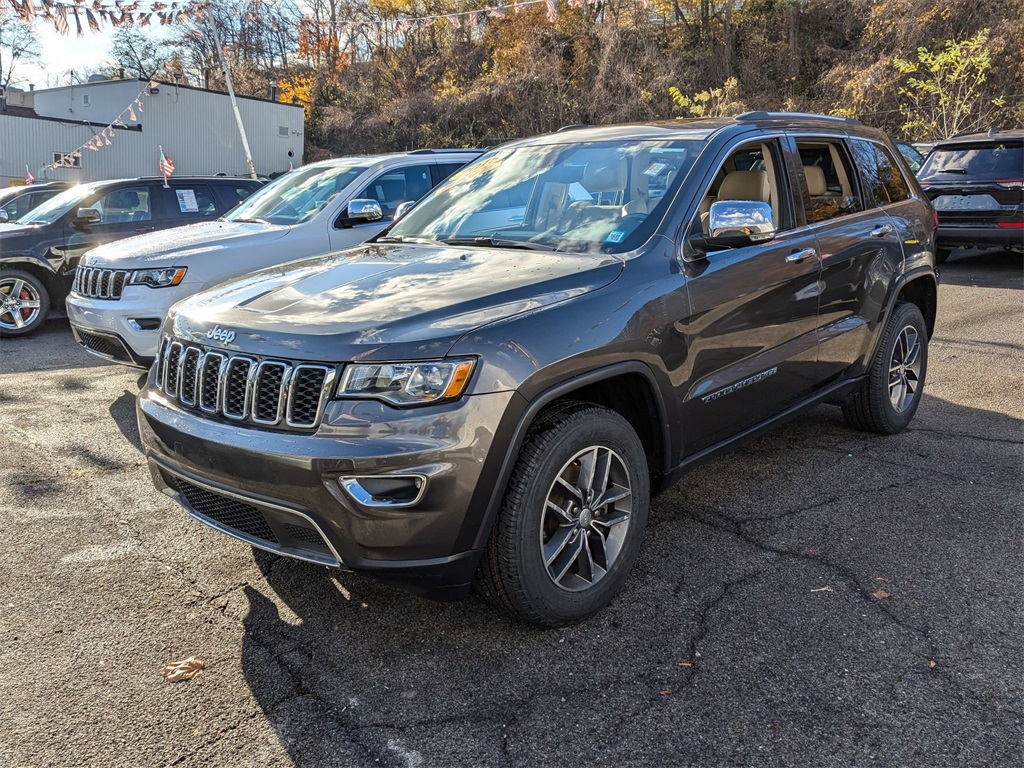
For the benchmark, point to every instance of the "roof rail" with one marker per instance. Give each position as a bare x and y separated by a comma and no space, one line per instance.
762,115
443,151
574,127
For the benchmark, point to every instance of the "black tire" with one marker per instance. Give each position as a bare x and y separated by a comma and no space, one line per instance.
514,575
871,409
941,254
29,289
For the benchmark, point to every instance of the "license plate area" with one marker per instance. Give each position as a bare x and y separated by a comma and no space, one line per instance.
965,203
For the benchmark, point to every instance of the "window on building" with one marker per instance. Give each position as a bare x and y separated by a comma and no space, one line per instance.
67,160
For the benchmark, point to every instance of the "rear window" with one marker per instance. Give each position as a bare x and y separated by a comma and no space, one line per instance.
986,160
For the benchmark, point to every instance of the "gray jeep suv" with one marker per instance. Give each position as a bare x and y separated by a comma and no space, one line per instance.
494,388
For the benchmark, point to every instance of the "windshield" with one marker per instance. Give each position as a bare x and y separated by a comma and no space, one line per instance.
989,160
604,197
297,196
57,206
911,155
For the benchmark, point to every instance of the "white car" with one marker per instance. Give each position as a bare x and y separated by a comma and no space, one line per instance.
122,291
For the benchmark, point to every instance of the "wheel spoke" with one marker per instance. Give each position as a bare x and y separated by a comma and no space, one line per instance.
612,519
913,348
556,544
30,304
17,288
612,495
18,319
569,487
563,516
588,466
586,560
568,556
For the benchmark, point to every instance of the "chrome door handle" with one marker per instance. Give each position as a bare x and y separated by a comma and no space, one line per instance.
798,257
882,231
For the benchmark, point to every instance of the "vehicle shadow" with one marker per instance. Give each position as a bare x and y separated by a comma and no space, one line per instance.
349,671
52,346
984,269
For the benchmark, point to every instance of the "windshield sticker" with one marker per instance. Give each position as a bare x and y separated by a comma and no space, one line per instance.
187,201
656,169
615,236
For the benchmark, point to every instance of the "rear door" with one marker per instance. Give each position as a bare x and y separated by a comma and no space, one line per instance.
859,245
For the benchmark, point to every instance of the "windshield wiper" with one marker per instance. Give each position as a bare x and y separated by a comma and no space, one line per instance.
494,242
252,221
404,239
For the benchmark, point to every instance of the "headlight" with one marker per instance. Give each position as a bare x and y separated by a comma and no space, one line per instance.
158,278
407,383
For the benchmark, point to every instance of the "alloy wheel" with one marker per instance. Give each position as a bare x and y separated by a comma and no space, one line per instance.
905,369
20,304
586,517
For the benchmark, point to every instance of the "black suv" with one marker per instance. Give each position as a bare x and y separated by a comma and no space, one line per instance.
15,202
976,184
493,389
39,253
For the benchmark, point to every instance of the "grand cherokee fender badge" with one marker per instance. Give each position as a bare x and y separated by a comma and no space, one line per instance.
740,384
220,334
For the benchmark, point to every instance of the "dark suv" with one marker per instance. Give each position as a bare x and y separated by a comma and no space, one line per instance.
493,389
15,202
39,253
976,184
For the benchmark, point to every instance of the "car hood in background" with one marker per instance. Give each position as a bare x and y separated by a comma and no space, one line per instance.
173,247
409,301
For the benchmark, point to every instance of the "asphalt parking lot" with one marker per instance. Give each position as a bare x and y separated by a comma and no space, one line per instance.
818,597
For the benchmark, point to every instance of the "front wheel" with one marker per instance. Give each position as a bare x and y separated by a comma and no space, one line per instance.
572,518
24,302
889,396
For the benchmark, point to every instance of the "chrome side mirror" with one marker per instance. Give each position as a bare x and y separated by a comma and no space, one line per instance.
88,216
749,220
364,210
4,216
404,208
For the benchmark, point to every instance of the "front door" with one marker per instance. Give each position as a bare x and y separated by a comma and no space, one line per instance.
754,310
124,212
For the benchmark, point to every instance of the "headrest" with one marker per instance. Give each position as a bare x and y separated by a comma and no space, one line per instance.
745,185
127,198
605,175
815,180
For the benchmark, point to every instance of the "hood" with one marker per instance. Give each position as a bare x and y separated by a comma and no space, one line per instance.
171,247
403,301
12,230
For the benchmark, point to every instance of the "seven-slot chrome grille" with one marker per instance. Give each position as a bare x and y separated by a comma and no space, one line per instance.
100,283
273,393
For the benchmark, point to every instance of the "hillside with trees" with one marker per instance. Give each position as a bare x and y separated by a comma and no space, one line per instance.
374,76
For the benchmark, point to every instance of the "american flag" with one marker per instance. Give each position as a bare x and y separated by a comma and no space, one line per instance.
166,165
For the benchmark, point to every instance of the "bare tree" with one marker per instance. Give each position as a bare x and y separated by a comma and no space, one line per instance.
137,52
18,44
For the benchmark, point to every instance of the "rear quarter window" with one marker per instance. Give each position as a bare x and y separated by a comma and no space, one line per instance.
881,173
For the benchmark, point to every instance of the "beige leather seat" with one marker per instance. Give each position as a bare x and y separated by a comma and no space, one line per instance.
600,178
738,185
816,184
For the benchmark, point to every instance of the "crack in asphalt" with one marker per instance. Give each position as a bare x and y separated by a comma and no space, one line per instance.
735,527
966,435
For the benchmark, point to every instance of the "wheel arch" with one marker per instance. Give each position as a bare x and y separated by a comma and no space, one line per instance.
629,388
921,290
42,272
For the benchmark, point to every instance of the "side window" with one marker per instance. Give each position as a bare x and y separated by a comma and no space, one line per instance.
751,173
231,195
830,189
881,173
397,186
443,170
18,207
188,202
125,205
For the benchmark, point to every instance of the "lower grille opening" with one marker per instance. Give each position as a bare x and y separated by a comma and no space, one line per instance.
104,345
224,510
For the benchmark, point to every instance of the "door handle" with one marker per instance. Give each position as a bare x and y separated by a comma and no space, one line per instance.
799,257
882,231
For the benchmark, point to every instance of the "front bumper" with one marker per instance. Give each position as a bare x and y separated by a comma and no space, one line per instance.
282,491
124,319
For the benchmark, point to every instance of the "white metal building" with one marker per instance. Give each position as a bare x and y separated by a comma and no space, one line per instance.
195,127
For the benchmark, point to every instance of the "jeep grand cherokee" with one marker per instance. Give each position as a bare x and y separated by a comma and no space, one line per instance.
495,387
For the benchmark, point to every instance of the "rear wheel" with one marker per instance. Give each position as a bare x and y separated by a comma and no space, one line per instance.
24,302
889,396
572,518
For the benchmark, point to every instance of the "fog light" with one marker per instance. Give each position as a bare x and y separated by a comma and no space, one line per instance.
144,323
392,491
